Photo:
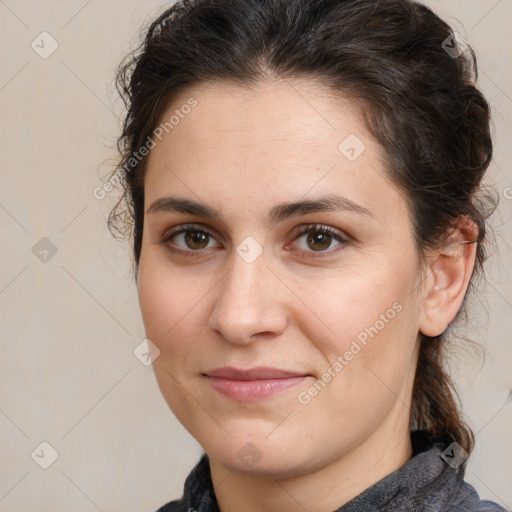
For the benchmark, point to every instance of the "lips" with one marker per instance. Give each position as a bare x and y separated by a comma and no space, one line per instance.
259,373
254,383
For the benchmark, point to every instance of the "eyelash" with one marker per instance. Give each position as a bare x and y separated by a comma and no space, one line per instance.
312,228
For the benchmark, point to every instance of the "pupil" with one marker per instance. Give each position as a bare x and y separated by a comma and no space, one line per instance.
318,238
194,238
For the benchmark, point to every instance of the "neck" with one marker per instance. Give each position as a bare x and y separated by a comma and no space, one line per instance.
324,490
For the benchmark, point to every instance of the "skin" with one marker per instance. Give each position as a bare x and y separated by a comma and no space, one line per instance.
242,152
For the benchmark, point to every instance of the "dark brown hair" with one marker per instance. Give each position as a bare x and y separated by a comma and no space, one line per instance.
396,58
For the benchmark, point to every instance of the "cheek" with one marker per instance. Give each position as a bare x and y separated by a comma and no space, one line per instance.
368,370
169,303
372,352
367,351
352,306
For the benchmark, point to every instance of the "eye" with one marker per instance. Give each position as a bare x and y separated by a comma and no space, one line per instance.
319,238
192,240
187,239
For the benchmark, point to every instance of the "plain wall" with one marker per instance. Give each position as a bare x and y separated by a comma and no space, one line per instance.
69,325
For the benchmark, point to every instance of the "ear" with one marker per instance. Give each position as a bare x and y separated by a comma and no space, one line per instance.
448,275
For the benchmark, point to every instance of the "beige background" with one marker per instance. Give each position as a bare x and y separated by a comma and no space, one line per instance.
69,325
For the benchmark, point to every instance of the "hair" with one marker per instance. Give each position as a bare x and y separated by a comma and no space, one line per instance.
404,66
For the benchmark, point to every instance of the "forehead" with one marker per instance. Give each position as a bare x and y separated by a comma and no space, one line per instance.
279,139
270,111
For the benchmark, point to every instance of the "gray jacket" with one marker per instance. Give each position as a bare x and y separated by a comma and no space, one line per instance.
426,483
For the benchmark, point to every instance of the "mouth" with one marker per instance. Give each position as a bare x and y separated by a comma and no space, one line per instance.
254,383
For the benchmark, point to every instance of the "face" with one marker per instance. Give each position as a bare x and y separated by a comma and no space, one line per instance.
278,277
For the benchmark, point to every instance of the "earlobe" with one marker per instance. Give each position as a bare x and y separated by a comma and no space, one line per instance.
448,277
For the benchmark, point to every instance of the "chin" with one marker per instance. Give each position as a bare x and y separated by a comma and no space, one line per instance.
260,456
265,467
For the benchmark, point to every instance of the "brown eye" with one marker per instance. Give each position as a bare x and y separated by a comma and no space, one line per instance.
196,239
192,241
188,239
319,239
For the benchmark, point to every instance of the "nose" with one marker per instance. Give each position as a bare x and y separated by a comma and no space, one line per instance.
249,304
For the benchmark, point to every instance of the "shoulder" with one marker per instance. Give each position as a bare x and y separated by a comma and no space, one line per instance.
439,486
468,500
175,506
198,493
205,504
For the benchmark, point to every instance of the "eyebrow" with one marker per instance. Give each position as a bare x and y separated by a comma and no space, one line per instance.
278,213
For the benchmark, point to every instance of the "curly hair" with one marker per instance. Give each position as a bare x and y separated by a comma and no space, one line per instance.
413,78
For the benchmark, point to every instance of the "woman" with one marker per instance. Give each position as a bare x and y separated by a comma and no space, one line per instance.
301,177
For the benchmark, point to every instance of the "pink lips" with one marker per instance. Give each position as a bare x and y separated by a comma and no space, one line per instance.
252,384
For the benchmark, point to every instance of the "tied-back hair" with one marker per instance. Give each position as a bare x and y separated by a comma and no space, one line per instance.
405,69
